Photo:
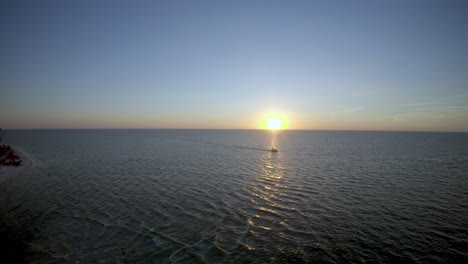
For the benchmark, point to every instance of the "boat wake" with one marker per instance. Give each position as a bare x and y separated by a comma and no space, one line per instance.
218,144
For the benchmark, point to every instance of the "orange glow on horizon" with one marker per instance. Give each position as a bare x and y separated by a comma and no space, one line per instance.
274,121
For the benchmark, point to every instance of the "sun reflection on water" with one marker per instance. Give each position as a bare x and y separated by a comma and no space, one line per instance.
267,190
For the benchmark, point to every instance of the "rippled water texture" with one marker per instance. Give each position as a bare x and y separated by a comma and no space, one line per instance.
208,196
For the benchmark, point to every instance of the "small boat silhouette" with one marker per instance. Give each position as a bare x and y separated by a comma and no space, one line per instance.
274,149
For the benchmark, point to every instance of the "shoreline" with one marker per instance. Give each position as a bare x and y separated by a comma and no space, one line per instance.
6,172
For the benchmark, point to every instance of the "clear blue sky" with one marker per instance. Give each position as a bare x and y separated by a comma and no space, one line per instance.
383,65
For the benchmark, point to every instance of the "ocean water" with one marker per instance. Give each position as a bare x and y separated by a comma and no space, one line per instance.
218,196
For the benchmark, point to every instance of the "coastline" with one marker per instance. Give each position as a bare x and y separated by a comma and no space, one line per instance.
6,172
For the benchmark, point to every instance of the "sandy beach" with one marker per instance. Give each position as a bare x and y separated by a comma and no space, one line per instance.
6,172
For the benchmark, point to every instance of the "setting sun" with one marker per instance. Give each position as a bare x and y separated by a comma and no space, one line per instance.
274,121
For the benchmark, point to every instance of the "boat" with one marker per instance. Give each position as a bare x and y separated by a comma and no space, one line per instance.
274,149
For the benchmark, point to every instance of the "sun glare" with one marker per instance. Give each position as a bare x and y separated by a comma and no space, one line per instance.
274,121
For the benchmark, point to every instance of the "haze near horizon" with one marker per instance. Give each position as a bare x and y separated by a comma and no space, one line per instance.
346,65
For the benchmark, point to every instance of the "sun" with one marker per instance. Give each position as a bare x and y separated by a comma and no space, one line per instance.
274,123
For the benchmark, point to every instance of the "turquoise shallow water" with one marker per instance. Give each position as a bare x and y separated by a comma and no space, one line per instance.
217,196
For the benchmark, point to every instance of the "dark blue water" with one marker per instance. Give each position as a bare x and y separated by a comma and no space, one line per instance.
218,196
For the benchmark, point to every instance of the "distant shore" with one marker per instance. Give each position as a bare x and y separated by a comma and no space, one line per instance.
6,172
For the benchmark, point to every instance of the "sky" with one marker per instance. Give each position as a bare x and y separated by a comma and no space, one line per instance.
345,65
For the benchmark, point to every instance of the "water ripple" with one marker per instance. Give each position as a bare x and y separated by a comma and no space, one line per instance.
213,197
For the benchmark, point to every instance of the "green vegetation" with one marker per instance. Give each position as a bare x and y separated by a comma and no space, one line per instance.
8,156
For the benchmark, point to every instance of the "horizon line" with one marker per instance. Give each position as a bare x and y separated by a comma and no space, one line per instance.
259,129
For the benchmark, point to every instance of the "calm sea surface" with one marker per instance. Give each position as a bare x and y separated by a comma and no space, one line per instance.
217,196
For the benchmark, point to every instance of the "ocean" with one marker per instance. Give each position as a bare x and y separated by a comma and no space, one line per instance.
220,196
